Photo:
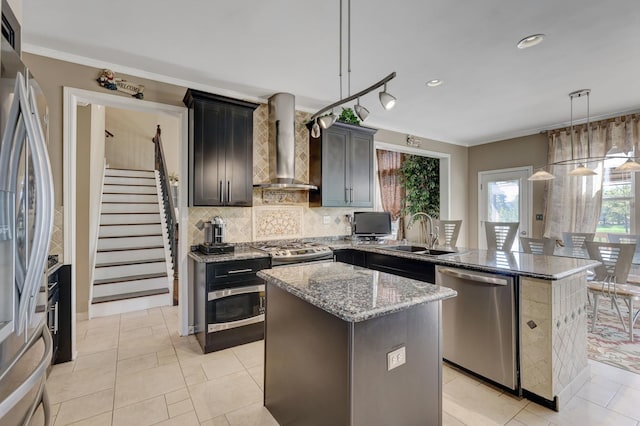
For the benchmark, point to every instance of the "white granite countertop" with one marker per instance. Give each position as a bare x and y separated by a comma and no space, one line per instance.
240,253
523,264
353,293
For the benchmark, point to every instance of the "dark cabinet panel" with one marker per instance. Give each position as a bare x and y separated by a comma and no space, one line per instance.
409,268
350,256
220,150
341,165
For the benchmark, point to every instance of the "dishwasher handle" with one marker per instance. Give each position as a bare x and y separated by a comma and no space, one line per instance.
469,276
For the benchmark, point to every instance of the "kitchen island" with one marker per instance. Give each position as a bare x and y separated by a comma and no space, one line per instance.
346,345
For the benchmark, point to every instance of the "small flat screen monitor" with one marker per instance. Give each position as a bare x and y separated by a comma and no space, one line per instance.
371,224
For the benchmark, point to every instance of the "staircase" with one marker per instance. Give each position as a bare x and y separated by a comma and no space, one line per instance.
133,268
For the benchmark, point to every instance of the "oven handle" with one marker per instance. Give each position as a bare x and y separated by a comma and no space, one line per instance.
233,324
219,294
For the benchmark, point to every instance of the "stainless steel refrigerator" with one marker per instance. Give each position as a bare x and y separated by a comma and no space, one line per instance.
26,220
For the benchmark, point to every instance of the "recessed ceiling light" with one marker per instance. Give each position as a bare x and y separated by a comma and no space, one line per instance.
435,82
530,41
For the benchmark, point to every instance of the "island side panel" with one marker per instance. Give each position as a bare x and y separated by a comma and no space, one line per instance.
306,373
553,327
410,393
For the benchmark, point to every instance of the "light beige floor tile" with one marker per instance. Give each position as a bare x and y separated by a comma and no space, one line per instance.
84,407
222,365
449,420
180,408
251,354
478,404
80,383
99,343
627,402
142,413
580,412
187,419
528,418
143,345
146,384
136,333
149,320
196,378
99,420
254,414
448,374
111,321
187,349
62,369
55,408
218,421
615,374
177,396
170,359
599,390
257,373
135,314
137,364
96,360
222,395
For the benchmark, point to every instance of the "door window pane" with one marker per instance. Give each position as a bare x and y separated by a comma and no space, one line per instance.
504,205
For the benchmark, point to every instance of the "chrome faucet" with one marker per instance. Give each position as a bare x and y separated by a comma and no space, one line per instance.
433,237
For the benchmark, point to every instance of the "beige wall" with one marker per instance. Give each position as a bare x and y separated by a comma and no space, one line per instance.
131,146
82,208
524,151
96,165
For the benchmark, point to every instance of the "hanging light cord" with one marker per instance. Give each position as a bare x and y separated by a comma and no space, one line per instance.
349,47
340,50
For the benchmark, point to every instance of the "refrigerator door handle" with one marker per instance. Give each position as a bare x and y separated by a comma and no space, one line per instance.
38,374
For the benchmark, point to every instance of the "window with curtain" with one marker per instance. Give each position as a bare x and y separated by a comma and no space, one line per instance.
588,204
389,178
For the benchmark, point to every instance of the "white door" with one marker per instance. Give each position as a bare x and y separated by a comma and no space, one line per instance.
504,196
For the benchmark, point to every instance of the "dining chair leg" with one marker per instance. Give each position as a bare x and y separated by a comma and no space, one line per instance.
596,298
615,303
631,319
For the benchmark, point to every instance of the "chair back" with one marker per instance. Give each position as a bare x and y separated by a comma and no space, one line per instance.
448,231
500,235
615,259
538,245
576,239
625,239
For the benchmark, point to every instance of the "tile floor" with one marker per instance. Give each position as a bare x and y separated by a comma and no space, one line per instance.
134,369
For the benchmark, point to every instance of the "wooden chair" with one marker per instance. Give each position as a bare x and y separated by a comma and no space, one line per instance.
500,235
538,245
610,278
448,231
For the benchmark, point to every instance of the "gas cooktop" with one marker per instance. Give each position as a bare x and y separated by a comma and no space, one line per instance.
294,252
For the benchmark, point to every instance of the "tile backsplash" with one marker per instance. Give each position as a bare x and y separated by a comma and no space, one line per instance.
275,214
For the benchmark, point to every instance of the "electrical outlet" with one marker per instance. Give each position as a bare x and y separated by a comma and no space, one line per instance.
539,216
396,358
326,219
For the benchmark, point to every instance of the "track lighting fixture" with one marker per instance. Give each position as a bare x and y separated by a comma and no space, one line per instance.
327,121
361,111
388,101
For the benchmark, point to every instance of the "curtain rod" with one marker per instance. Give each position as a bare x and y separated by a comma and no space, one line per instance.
619,120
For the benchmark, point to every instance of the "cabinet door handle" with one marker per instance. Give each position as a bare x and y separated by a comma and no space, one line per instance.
221,199
346,195
239,271
228,192
351,195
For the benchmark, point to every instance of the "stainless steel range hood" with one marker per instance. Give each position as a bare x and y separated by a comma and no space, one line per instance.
282,145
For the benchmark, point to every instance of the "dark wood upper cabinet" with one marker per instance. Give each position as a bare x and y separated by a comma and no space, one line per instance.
220,150
341,165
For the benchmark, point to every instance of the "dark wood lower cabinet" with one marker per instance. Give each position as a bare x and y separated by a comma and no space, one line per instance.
350,256
409,268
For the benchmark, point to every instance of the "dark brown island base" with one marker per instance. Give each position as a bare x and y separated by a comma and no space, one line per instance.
346,345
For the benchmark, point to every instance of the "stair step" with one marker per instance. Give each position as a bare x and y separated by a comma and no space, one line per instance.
135,181
111,243
130,262
110,188
132,295
128,255
129,198
134,269
130,173
129,278
113,250
133,230
129,218
130,208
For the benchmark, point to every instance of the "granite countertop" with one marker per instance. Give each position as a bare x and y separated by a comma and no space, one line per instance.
240,253
353,293
523,264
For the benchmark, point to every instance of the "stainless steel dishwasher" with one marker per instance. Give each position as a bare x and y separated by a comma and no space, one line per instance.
480,324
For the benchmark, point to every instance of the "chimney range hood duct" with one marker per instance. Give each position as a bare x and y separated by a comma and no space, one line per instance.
282,145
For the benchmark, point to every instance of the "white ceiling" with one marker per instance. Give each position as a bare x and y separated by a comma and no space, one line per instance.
492,90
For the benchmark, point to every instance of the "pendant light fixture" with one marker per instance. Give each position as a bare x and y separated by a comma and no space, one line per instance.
387,100
628,166
582,169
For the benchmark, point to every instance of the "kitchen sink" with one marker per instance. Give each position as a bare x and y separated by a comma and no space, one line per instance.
420,250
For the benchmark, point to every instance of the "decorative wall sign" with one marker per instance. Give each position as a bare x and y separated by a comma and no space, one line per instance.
109,81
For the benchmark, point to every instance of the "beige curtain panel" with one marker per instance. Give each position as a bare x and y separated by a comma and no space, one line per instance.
573,203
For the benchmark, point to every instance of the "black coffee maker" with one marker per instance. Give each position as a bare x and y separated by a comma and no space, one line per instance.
214,231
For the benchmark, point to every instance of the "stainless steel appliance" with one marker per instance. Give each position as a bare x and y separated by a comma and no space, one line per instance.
479,325
295,252
26,219
235,307
214,231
